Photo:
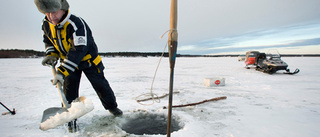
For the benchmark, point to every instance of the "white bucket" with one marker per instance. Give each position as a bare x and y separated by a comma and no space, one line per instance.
214,82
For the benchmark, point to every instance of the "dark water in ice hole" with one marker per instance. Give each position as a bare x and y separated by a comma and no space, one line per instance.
150,124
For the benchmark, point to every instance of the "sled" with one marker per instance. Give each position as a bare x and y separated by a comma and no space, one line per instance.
250,59
56,116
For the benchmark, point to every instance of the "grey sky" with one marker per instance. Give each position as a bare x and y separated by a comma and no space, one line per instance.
204,26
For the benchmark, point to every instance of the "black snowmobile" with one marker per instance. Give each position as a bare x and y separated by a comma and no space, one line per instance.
271,62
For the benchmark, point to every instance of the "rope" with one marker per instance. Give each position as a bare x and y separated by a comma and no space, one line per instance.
167,32
154,97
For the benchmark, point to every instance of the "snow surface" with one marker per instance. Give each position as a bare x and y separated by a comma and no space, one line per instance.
257,104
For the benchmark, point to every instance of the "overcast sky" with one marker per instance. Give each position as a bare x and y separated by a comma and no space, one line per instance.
204,26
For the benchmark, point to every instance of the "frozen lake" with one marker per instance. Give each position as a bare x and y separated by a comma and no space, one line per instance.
257,104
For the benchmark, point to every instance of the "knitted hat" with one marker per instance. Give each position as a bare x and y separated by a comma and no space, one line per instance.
45,6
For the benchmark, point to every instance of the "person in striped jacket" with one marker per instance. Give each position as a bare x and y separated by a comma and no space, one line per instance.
68,37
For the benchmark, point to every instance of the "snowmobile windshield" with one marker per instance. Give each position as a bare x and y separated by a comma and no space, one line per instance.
274,57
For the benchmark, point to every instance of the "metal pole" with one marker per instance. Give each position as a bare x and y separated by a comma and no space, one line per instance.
12,112
173,43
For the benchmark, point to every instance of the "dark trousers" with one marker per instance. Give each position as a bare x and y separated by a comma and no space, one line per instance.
100,84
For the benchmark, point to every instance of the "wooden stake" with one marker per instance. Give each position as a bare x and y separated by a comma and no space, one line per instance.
197,103
172,44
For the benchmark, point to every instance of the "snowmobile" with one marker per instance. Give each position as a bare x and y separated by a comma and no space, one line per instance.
270,63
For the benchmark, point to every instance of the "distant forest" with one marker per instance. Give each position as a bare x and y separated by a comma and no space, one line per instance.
19,53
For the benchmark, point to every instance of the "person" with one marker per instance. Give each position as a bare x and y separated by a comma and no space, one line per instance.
68,37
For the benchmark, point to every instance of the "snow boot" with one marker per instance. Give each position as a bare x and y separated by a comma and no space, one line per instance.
116,112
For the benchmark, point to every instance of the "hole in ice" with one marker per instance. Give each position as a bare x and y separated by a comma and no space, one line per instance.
149,124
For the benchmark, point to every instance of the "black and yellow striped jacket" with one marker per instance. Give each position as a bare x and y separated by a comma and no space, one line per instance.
71,40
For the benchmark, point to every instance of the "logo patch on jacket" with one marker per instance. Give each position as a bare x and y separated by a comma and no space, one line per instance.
80,40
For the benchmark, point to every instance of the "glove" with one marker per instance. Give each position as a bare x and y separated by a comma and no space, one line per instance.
58,78
49,60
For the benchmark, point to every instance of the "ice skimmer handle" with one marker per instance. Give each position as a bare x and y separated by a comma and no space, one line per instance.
59,87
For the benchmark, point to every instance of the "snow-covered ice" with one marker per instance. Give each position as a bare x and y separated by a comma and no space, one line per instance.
257,104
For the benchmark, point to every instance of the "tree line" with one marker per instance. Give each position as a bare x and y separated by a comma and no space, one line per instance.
18,53
27,53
